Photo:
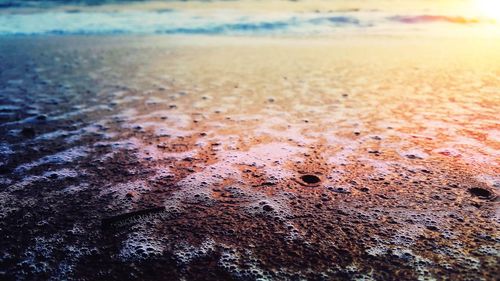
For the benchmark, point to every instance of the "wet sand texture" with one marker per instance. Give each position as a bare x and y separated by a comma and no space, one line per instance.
164,158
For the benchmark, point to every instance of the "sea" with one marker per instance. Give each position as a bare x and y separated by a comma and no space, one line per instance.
242,18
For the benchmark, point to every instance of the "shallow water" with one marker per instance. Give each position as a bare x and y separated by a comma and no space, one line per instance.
157,157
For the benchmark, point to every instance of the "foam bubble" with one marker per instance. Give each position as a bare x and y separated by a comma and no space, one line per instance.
139,246
184,253
63,157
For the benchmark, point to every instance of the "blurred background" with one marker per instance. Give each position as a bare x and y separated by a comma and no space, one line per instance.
252,17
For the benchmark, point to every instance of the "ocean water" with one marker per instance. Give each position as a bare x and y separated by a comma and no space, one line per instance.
129,17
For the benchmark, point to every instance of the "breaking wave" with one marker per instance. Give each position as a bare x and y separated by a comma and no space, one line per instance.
225,22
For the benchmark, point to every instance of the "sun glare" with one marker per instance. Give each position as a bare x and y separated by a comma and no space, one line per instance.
489,8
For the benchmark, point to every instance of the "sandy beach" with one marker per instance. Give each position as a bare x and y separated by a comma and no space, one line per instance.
236,158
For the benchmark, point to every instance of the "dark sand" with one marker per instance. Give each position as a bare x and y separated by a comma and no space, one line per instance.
164,158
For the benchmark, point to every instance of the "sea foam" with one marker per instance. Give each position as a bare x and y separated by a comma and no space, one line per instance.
218,22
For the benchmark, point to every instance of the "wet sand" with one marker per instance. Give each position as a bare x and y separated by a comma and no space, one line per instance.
164,157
